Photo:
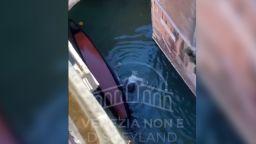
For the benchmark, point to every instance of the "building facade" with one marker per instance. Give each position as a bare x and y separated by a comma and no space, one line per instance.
174,32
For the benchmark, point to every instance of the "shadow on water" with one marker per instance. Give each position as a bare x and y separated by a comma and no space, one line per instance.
122,32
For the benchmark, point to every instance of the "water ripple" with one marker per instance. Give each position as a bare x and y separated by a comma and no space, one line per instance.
138,53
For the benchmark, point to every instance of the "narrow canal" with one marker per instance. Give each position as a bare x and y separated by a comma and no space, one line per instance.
122,31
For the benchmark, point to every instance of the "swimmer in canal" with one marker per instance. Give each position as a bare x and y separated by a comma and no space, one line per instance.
132,82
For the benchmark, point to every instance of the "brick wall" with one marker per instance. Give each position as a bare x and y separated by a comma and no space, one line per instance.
172,45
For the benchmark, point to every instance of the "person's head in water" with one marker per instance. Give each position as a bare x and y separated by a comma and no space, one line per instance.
131,87
132,82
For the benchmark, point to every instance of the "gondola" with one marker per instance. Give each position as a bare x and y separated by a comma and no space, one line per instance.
99,68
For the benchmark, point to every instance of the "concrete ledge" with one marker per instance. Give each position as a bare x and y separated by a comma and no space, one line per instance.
72,3
74,134
94,118
78,64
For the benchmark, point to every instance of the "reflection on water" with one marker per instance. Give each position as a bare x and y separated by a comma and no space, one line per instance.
122,32
138,54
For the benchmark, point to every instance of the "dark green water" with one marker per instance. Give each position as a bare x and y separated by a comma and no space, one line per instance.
122,31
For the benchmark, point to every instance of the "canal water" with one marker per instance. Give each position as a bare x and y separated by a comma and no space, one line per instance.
163,109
